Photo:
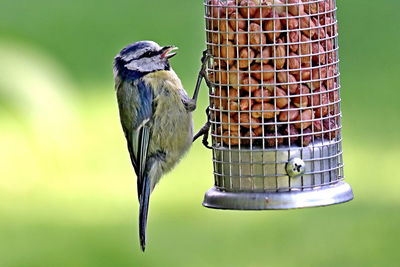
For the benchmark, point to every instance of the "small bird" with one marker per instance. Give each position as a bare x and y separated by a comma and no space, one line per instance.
155,113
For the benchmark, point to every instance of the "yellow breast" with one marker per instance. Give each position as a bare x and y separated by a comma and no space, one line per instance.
163,80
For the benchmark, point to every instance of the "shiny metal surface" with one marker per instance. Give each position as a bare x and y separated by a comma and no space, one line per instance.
320,196
264,170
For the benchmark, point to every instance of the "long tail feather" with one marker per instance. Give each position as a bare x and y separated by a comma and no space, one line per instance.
143,211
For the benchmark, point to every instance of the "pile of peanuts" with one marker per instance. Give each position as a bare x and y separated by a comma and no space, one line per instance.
274,71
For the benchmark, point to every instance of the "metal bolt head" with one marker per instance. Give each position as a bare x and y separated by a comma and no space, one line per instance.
295,167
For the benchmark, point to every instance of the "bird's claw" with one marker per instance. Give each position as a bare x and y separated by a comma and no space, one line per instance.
202,75
190,105
204,131
205,58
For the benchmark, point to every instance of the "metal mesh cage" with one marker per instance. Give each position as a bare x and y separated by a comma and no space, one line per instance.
275,101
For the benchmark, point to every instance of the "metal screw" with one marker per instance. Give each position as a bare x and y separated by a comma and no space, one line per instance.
295,167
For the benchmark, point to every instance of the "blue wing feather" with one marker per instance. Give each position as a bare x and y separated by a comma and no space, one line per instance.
136,109
141,131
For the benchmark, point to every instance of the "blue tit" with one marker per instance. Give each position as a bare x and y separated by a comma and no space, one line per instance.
155,113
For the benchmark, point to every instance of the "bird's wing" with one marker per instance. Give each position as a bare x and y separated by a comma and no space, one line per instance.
136,110
141,135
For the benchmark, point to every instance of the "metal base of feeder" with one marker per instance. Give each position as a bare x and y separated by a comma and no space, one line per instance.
322,196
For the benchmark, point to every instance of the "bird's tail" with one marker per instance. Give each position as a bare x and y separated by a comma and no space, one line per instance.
143,211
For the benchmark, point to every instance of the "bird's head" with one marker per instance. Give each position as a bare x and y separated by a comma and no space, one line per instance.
144,57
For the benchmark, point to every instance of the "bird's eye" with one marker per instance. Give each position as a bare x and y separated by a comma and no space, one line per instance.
147,54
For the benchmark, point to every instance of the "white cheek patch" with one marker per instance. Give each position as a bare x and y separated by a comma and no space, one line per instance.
145,65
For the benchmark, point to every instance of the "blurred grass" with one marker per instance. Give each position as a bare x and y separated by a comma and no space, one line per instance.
67,191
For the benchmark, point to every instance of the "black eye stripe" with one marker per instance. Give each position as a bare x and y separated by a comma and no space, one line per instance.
149,54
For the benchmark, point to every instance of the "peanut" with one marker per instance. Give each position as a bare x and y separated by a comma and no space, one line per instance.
302,101
235,77
215,10
215,38
307,26
263,12
227,32
219,99
278,5
331,81
320,98
297,9
233,93
236,22
250,138
281,98
320,32
288,80
241,38
246,56
272,140
307,137
305,50
228,7
331,25
294,64
280,55
334,96
245,104
334,109
217,131
331,128
325,6
256,36
318,54
305,71
231,138
262,95
317,128
248,9
248,122
289,134
270,85
229,123
249,84
265,56
258,131
221,77
288,22
294,38
317,75
311,8
273,27
262,72
228,53
233,106
264,110
290,114
306,117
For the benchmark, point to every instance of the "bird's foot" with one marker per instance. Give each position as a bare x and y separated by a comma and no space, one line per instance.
204,131
190,105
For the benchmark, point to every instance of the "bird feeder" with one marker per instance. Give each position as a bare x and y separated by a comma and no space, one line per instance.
274,108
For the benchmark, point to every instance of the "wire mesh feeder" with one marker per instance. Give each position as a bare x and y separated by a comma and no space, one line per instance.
274,104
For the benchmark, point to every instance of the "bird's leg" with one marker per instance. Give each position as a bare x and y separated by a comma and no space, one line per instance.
204,131
202,74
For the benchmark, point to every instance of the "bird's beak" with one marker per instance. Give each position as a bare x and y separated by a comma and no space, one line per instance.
167,51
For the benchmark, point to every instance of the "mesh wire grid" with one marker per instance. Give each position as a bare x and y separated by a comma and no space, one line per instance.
275,93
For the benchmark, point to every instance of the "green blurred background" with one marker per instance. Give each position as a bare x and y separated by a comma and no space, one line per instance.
67,190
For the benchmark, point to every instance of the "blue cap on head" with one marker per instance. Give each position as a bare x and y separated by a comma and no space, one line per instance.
137,46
